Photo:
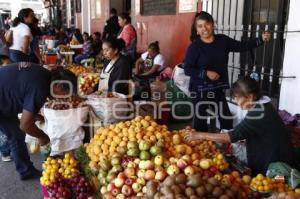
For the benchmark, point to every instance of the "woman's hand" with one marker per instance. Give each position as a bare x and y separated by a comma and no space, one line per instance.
266,36
191,135
212,75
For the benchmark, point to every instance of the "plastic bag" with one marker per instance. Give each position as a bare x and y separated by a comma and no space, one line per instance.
180,101
33,143
239,150
181,80
64,128
291,175
109,109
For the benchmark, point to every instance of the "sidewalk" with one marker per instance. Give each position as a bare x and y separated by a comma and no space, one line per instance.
11,187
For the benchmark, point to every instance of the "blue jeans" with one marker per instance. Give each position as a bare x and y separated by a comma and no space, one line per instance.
4,147
18,56
80,57
16,141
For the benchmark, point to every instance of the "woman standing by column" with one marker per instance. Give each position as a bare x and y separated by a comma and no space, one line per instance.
206,63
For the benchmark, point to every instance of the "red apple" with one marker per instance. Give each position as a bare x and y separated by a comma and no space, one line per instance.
149,175
160,175
149,164
129,172
115,191
127,190
181,164
110,187
129,181
213,169
122,175
188,159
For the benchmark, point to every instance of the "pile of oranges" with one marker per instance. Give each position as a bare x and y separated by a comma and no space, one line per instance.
262,184
114,138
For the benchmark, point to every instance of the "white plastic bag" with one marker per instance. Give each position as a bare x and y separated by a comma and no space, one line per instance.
109,109
33,143
64,128
181,80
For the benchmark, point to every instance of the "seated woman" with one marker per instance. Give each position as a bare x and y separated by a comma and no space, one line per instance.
267,139
87,49
76,38
151,63
117,68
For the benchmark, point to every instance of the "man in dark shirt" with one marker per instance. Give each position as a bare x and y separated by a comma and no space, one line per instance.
24,89
112,27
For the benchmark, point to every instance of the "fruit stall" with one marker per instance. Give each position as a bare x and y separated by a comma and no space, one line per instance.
143,159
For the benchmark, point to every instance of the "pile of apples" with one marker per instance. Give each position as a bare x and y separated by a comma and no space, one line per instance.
87,83
78,69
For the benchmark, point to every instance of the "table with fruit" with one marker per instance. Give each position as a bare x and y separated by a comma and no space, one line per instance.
142,159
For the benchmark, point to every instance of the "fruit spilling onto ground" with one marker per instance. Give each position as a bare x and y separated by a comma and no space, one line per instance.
87,83
66,167
65,103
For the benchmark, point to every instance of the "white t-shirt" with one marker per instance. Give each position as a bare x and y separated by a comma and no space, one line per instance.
158,60
19,33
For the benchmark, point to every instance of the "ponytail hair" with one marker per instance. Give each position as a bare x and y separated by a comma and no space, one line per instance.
116,44
126,16
154,46
199,16
21,15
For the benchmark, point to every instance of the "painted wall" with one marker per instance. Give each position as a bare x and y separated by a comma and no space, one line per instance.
172,32
290,88
97,24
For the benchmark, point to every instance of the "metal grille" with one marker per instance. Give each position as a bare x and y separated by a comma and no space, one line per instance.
248,19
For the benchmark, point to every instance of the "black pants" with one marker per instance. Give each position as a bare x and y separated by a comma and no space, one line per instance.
211,104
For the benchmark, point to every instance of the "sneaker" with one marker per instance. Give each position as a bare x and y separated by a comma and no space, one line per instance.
32,174
6,158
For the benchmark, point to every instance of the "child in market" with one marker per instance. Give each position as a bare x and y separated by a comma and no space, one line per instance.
267,139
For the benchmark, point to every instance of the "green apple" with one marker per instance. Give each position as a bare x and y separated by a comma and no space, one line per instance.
134,152
159,160
155,150
136,187
117,168
132,145
144,145
145,155
115,161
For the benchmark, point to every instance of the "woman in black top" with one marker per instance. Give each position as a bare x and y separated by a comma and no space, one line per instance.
267,139
117,71
206,63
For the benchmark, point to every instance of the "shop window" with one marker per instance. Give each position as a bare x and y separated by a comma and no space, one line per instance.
158,7
95,9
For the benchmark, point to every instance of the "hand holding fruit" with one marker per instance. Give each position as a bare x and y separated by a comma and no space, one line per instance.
191,135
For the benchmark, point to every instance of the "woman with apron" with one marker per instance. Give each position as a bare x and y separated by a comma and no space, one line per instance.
116,73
